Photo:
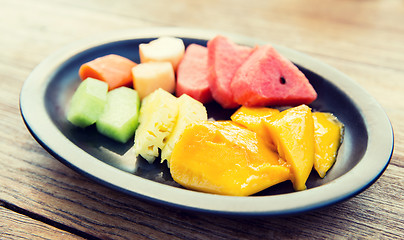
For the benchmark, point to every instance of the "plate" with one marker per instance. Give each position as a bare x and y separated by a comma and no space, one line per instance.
362,158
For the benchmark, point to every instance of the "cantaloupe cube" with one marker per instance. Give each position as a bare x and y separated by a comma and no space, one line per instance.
119,119
163,49
148,77
87,102
158,115
189,111
112,69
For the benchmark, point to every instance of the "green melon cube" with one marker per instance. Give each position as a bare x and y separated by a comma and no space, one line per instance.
88,102
120,117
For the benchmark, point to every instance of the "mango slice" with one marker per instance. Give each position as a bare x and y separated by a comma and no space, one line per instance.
292,131
251,118
224,158
327,139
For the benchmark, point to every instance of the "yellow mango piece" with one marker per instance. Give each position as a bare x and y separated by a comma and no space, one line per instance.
223,158
292,131
327,139
251,118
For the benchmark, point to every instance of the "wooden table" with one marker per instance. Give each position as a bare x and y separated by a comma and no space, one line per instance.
40,198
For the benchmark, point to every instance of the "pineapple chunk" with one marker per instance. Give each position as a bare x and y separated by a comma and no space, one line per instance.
157,119
163,49
189,111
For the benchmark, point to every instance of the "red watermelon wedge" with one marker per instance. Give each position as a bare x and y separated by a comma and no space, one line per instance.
192,74
267,78
224,58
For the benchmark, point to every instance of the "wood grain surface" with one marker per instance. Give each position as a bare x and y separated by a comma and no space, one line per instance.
40,198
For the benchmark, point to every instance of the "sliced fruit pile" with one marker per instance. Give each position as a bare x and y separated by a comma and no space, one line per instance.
222,157
259,147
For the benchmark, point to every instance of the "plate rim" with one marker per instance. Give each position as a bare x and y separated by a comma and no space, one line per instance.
374,116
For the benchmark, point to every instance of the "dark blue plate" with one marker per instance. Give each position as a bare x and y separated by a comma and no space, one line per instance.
362,158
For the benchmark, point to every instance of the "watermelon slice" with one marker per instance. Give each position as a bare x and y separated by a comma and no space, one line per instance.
224,58
192,74
267,78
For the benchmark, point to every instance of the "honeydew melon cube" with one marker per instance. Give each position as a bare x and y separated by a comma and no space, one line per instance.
119,119
87,103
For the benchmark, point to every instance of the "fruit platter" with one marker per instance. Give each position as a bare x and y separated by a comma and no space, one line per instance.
183,133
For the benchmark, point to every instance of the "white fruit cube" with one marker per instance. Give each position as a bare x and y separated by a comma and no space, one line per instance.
148,77
163,49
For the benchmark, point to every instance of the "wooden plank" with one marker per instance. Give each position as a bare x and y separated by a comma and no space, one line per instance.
367,46
17,226
74,201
